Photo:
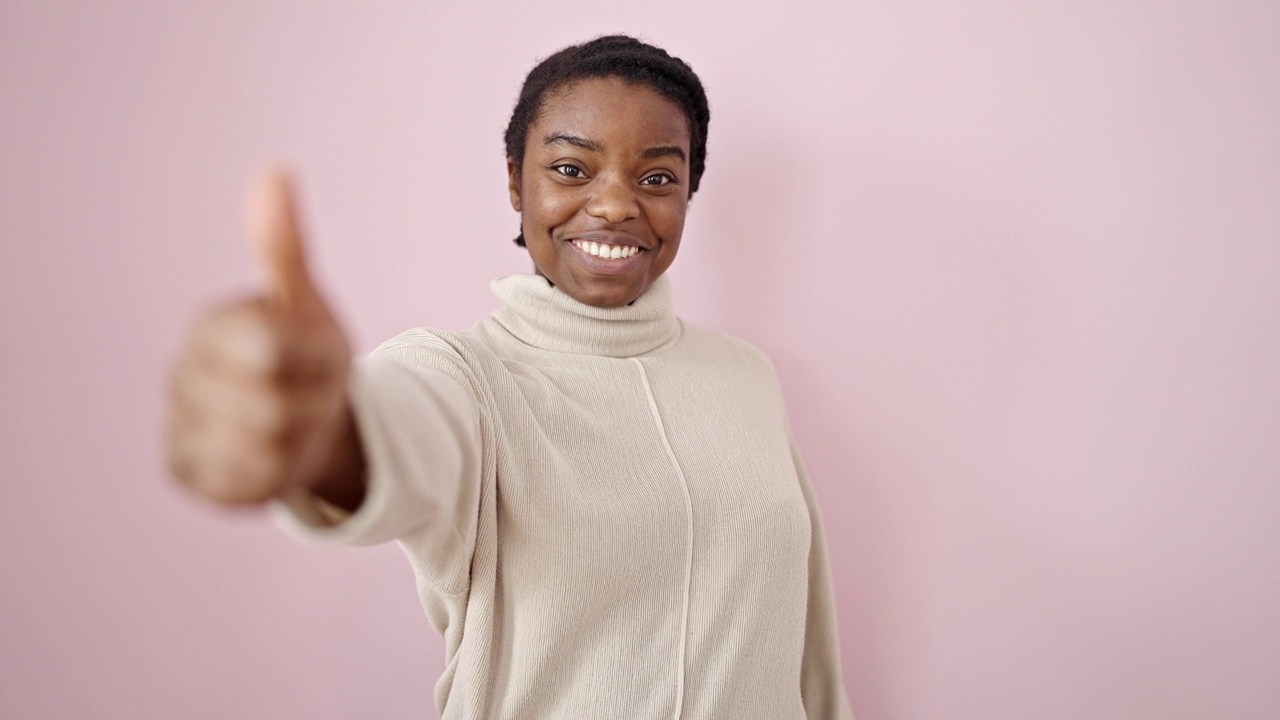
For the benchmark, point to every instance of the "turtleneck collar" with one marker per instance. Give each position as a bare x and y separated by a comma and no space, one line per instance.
541,315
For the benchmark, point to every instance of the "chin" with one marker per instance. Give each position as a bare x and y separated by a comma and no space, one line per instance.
607,299
605,294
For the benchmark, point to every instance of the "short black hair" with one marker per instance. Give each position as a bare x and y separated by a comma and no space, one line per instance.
623,57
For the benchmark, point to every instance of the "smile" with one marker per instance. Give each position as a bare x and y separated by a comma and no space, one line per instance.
607,252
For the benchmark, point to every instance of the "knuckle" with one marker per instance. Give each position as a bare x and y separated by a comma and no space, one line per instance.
236,484
178,456
225,465
263,352
179,466
272,417
270,475
244,337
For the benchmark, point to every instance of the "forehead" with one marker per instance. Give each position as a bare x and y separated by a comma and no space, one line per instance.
612,111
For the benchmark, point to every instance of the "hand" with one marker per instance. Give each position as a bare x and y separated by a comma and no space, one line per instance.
258,403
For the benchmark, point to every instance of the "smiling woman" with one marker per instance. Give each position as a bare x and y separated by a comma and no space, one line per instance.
604,506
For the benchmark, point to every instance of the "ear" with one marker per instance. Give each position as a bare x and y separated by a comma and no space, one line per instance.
513,183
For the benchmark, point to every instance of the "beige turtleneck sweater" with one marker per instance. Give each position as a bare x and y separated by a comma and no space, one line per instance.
605,512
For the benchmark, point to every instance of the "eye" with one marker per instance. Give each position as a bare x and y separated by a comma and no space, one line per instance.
568,170
658,179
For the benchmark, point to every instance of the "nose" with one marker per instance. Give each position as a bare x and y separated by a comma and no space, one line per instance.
614,201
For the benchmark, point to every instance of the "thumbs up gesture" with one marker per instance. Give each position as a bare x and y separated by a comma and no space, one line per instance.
258,404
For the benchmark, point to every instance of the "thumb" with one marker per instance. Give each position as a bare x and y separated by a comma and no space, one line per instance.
277,239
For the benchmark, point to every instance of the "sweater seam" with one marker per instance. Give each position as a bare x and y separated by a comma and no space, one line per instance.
688,507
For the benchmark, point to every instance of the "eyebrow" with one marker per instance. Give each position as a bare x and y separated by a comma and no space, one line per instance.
573,140
664,151
593,146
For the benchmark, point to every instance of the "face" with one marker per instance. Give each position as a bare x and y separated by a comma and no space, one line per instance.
602,190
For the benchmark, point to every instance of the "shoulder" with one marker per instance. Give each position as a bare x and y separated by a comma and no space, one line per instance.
728,371
454,354
722,348
423,346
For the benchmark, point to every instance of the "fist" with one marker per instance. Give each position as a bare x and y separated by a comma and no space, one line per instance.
258,399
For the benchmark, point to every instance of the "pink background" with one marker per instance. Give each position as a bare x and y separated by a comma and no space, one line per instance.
1018,265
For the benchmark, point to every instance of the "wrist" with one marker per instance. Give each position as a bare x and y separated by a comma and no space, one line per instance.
341,479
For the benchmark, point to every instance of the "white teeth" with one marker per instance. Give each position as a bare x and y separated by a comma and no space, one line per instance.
612,252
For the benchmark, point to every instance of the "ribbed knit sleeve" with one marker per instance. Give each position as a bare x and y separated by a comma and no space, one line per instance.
419,429
821,686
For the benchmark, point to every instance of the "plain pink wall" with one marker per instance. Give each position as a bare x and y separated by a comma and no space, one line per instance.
1018,265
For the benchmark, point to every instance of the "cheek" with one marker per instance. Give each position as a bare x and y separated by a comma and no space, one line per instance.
670,221
548,205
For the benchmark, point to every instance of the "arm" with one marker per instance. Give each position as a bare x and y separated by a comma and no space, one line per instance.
821,683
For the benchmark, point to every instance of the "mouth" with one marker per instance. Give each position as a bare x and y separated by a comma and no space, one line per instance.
606,251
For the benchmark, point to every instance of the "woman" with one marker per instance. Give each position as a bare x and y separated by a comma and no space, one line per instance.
603,506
